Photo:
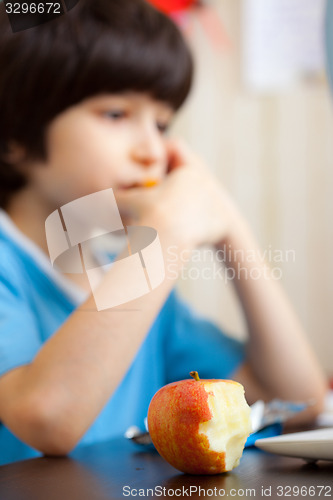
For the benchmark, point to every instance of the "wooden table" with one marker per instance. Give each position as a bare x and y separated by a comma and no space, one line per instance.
120,469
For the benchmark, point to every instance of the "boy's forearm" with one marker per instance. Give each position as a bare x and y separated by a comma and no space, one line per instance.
277,350
77,370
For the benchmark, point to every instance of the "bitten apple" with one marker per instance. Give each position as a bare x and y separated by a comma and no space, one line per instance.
200,426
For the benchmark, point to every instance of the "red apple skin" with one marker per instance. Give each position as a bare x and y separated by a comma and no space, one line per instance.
174,415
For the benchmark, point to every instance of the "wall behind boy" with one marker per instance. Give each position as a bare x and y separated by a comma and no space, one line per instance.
274,153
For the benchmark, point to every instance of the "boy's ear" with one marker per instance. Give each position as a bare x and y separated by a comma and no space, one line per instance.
15,153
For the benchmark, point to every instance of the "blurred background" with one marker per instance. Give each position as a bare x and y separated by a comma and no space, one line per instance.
261,115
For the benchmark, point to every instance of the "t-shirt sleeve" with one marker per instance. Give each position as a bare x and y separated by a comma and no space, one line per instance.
195,343
19,339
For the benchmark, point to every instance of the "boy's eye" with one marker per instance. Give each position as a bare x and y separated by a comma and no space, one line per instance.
115,114
162,127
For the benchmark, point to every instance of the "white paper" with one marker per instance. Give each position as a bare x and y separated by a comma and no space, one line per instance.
282,41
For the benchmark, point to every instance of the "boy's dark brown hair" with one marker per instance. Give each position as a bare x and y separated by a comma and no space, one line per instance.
100,46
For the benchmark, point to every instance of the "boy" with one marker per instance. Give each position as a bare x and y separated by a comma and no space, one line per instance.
86,100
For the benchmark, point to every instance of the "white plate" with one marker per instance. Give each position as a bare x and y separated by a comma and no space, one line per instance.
310,445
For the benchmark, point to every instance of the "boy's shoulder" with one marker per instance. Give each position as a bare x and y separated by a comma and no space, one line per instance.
16,249
27,276
12,267
8,252
17,267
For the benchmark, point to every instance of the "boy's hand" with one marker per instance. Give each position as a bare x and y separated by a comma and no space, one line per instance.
190,203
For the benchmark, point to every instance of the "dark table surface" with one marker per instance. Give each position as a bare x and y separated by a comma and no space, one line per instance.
120,469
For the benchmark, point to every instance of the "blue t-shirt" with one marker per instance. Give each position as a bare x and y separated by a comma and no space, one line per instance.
34,303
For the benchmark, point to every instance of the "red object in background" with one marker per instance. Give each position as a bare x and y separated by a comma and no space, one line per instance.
169,6
210,22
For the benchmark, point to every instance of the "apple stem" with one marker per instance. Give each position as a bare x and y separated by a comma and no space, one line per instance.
195,376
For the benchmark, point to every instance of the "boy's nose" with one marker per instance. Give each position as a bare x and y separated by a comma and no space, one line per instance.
149,149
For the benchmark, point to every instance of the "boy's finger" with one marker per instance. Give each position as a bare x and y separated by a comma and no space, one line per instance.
179,155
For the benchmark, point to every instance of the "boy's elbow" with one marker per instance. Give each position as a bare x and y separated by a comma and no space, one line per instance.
45,427
316,407
55,441
319,400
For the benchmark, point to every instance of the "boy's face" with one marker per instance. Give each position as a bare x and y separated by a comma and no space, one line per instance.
106,141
